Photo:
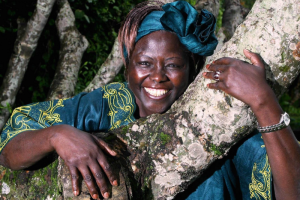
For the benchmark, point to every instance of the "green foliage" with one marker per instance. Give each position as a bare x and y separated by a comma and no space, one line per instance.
220,15
8,107
293,109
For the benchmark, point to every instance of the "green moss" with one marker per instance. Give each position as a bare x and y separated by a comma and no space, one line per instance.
32,185
125,130
285,68
215,149
236,119
164,138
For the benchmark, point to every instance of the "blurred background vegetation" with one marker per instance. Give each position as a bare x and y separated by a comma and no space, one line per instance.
99,21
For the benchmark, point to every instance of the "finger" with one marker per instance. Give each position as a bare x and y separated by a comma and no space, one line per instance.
104,146
75,180
100,180
217,86
107,169
87,177
223,61
216,67
211,75
254,58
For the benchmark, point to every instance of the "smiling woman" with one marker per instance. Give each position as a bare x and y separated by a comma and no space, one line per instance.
158,72
161,49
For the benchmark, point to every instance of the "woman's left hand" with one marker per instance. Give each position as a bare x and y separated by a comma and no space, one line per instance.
240,79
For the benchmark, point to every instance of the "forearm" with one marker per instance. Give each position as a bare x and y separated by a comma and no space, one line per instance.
27,148
283,151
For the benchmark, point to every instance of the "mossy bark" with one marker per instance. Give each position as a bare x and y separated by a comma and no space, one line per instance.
165,153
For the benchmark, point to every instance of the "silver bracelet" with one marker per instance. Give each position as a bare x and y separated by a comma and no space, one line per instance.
283,122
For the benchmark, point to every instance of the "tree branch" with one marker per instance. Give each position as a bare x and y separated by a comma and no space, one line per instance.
73,45
25,45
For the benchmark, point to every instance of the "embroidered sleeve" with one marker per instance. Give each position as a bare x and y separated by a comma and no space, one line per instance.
106,108
31,117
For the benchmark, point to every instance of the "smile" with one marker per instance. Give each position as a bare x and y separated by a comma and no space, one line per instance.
156,92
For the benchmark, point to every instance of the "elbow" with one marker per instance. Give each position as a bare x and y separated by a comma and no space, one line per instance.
3,161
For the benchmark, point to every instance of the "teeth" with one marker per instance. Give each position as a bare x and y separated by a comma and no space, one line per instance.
156,92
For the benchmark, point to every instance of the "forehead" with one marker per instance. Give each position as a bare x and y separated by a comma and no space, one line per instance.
160,43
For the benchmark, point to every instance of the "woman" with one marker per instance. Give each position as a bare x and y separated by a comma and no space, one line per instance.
161,47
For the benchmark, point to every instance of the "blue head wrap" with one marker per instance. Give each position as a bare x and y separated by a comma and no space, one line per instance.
195,32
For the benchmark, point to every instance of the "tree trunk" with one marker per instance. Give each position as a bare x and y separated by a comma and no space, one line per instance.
72,47
25,45
234,14
203,124
211,5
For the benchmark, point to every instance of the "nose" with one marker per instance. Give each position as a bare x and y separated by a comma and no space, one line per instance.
158,74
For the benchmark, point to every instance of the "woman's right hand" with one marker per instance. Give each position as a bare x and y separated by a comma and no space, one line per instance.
83,154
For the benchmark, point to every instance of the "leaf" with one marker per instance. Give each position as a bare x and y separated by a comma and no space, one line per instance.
87,18
79,14
2,29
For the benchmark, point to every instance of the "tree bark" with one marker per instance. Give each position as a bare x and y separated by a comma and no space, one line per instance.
234,14
25,45
72,47
211,5
204,124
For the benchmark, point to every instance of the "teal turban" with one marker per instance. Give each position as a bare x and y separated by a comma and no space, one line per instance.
195,31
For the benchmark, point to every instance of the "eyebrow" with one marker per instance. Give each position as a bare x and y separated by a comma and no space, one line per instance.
174,57
141,54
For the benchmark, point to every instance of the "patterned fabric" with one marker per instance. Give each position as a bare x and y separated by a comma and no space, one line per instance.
244,174
106,108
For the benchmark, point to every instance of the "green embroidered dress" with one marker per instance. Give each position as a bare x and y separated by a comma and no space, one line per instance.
244,174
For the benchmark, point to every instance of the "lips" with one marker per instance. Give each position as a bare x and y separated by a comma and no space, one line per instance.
156,92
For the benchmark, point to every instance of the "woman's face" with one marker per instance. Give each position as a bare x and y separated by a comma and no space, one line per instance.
158,72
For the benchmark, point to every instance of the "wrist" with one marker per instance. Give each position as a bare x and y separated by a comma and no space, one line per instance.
55,133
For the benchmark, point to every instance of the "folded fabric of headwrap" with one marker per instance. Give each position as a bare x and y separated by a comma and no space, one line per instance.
195,31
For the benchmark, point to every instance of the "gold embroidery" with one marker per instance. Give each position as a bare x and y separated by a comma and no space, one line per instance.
120,104
48,116
260,188
24,119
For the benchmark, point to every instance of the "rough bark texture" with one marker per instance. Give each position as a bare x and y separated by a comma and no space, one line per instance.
72,47
210,5
108,70
24,47
204,124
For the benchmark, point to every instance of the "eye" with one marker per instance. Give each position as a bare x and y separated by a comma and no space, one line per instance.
144,63
174,66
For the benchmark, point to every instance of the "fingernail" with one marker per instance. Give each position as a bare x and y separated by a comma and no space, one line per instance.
95,196
115,182
247,50
106,195
207,66
75,193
